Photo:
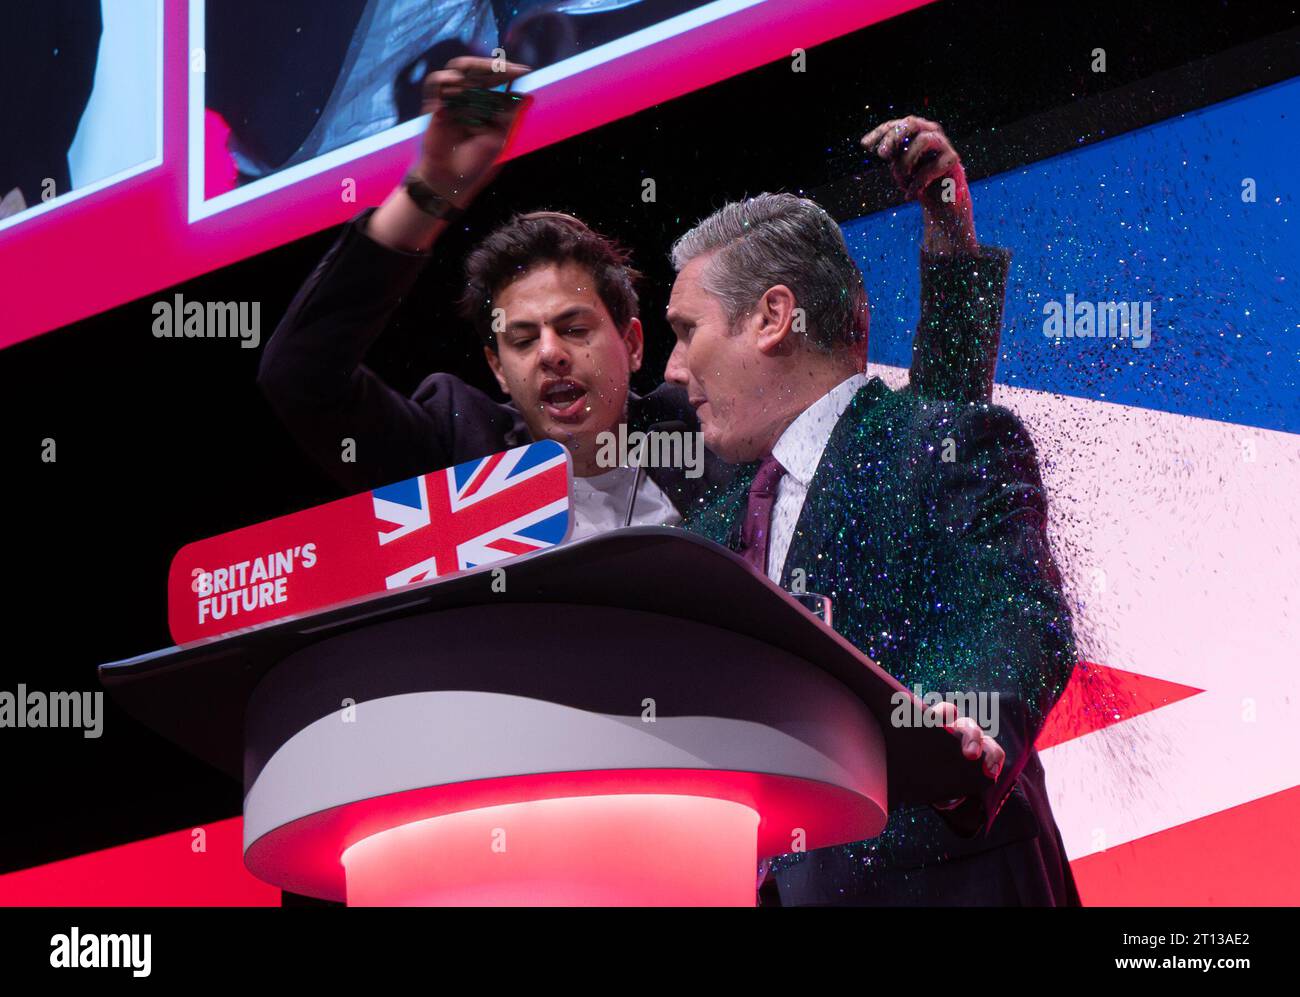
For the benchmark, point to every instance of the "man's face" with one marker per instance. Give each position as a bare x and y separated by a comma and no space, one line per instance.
722,369
561,358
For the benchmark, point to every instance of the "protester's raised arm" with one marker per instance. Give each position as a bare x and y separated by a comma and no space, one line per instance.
312,371
459,153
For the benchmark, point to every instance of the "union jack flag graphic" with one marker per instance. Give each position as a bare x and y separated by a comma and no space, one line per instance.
474,513
425,527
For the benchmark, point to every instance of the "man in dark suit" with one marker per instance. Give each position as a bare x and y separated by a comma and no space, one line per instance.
923,520
556,309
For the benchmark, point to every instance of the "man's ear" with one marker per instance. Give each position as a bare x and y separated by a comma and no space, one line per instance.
774,319
634,340
494,362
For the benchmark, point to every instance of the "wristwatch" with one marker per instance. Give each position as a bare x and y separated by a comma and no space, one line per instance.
429,200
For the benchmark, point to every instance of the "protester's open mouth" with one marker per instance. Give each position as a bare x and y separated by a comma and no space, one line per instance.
564,400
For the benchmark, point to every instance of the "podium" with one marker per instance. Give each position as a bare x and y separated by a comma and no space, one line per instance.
634,718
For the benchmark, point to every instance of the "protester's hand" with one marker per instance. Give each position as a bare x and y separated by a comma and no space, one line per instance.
458,157
974,742
927,168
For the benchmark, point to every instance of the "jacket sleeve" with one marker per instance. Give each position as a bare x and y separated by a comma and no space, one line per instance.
955,349
312,375
995,620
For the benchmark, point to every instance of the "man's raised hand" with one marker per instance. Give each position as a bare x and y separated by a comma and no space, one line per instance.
926,167
458,154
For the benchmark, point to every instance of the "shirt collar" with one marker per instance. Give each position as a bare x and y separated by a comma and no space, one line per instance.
800,447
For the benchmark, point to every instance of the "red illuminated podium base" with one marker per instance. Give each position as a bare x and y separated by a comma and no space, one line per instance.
637,719
638,849
626,758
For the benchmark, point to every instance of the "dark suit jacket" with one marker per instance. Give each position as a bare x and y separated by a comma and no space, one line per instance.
940,572
311,373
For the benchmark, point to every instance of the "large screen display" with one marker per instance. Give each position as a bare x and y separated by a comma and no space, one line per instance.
213,131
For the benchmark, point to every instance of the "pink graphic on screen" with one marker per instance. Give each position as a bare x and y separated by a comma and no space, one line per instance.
141,233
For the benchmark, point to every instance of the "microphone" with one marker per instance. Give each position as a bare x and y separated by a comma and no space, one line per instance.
735,536
667,426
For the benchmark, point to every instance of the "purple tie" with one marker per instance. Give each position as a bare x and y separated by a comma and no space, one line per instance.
758,513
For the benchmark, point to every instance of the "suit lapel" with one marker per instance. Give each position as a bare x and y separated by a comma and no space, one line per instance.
829,490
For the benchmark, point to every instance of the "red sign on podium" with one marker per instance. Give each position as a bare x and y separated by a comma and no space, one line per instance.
435,524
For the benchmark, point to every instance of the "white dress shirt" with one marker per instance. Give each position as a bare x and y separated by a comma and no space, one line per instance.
799,451
600,503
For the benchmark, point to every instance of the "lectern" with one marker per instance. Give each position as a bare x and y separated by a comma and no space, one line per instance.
634,718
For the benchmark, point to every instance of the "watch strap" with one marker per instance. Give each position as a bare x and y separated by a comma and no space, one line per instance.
429,200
